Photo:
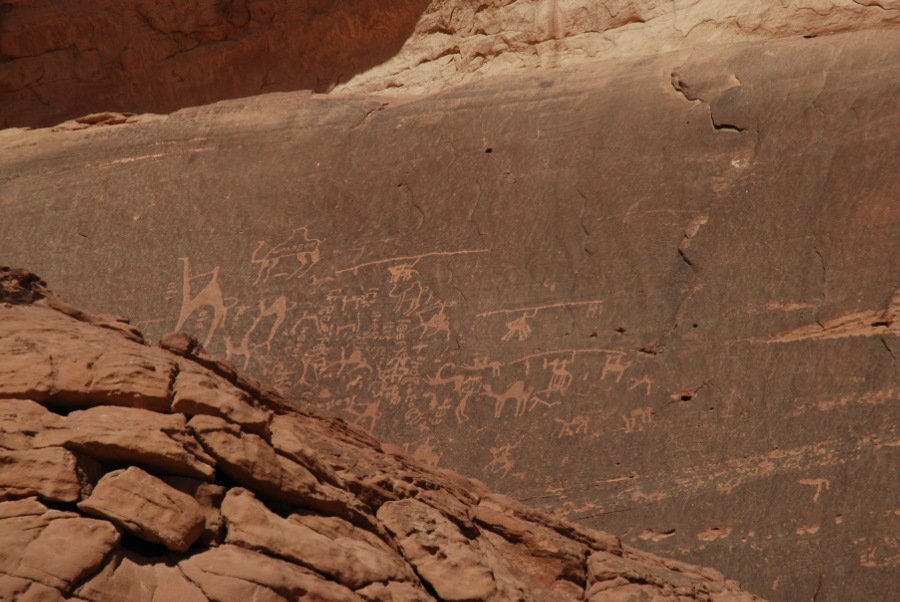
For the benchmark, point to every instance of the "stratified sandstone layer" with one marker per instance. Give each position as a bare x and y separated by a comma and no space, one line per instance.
64,59
220,490
656,295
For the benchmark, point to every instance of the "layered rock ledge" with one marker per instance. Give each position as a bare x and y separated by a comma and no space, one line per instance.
129,472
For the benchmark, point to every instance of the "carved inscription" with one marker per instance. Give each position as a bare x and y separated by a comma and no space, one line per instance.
382,341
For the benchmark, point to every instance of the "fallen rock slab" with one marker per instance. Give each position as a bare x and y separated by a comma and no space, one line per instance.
148,507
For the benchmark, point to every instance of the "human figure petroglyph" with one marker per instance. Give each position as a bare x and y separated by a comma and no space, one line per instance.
298,246
480,362
516,392
438,323
519,327
560,377
645,380
402,272
572,427
210,295
501,460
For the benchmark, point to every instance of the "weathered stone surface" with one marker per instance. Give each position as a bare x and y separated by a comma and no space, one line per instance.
394,592
147,507
547,555
527,315
49,368
20,420
25,590
232,574
131,435
348,561
205,393
50,473
209,496
65,60
252,462
136,579
455,566
56,549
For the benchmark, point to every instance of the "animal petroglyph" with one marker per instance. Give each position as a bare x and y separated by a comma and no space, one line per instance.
464,386
210,295
438,323
501,461
297,248
644,380
570,428
355,359
637,419
615,366
516,392
278,309
480,362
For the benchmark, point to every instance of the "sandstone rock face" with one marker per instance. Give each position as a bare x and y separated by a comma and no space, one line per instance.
656,294
63,60
256,525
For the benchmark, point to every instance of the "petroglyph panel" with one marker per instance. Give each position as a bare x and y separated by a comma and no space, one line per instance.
569,285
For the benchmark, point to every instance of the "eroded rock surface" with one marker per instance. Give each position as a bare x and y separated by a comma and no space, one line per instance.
102,63
133,527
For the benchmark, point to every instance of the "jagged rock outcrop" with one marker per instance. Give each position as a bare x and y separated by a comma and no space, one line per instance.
65,60
103,499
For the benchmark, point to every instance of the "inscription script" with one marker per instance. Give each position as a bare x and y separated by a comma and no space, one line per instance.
391,338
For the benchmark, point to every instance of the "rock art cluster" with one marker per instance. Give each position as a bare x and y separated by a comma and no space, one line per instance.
654,295
631,262
129,472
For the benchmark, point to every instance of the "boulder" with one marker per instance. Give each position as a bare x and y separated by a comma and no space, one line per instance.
147,507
